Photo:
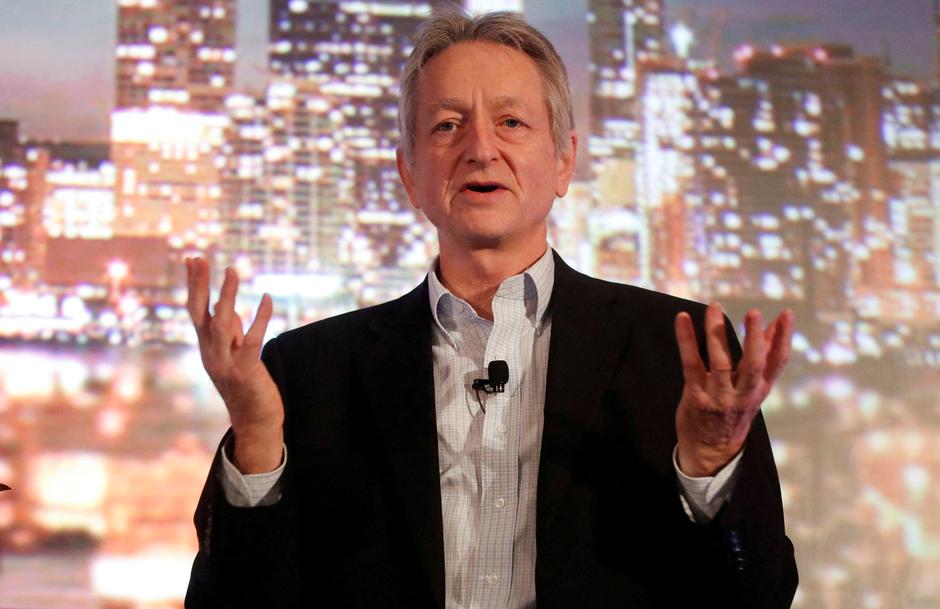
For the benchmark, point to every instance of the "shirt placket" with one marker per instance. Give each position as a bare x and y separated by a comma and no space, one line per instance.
500,463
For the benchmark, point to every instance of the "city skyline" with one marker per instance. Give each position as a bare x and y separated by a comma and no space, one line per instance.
795,174
76,89
299,177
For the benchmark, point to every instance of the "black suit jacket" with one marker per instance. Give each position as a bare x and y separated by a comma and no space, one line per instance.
359,522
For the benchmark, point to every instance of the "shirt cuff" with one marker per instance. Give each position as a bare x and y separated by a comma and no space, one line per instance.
703,497
250,490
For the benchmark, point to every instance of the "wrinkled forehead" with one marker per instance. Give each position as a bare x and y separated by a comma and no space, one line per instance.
502,76
496,103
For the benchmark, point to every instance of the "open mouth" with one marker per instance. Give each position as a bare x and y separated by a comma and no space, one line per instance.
482,187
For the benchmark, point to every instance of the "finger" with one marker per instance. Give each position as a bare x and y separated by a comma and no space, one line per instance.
780,345
255,335
750,373
716,339
197,297
238,335
224,318
692,367
225,307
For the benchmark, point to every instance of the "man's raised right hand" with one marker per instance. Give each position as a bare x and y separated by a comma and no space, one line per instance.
232,359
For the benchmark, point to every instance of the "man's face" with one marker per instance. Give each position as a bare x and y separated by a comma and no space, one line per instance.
485,169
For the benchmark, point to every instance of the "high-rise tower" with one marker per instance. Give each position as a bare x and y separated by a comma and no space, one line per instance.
175,64
175,53
354,53
624,36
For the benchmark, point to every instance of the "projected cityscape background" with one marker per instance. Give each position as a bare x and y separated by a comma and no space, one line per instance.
784,169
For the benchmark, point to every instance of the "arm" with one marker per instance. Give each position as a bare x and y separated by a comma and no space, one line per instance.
718,415
242,545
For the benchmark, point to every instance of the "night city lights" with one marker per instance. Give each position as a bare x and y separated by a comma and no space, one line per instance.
801,173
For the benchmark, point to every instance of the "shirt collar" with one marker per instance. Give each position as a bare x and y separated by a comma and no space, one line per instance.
536,283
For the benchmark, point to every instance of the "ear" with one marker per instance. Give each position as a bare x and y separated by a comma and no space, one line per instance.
407,178
565,165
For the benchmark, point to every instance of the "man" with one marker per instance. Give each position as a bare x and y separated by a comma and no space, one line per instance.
362,468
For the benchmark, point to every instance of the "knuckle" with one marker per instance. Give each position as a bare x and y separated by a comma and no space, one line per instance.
216,324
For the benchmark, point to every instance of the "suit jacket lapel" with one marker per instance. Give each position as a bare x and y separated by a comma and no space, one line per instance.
585,351
402,394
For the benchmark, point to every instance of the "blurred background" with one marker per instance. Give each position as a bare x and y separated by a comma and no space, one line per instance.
768,154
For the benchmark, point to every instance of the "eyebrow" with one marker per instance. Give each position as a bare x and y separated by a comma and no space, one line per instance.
501,102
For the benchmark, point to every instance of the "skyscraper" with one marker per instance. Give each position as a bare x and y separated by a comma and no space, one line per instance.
167,175
624,35
859,82
910,130
354,52
748,182
286,200
175,62
175,53
22,238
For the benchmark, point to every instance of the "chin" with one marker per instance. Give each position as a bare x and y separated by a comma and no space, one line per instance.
484,240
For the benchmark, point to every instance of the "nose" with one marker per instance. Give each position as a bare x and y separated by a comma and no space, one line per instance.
481,147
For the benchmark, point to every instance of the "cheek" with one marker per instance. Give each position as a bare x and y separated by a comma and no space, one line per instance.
430,190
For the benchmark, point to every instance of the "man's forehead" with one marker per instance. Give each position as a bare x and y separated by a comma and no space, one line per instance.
506,76
498,102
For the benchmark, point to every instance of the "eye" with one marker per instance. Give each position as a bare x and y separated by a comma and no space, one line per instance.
446,126
513,123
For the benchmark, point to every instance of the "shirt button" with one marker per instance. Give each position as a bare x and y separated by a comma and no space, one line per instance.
500,503
500,429
492,579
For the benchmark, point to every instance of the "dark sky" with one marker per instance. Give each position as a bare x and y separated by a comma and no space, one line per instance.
57,69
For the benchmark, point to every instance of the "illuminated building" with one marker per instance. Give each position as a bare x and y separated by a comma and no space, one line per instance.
858,81
353,52
624,35
668,195
286,201
910,129
175,53
147,263
175,63
79,201
745,183
168,175
801,141
22,239
616,238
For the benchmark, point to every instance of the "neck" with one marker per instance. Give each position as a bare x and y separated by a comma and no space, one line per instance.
475,275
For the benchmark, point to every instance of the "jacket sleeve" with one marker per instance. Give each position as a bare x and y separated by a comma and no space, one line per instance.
747,540
248,557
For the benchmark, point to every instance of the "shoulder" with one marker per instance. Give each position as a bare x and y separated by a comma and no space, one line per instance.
645,303
352,328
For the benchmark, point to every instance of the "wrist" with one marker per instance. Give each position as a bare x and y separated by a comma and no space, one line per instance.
257,450
704,461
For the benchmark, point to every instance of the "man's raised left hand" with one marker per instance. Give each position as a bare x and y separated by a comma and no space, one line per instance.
719,403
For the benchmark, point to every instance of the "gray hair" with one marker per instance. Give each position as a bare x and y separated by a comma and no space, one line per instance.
508,29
